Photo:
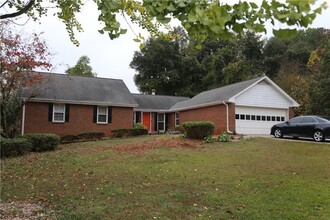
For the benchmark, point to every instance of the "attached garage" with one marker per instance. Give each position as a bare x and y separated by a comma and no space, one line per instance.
248,107
256,120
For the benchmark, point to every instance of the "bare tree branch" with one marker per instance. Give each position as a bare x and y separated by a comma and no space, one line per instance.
25,9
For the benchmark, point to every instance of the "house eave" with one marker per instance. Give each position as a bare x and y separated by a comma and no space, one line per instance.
60,101
220,102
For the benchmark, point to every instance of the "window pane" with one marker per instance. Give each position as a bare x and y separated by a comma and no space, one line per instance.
161,126
273,118
258,117
282,119
102,110
160,117
237,116
263,118
242,117
308,120
102,118
296,120
278,118
268,118
59,108
248,117
58,116
253,117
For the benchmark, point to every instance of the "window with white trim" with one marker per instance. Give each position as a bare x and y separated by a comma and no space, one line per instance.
161,122
58,112
102,115
177,119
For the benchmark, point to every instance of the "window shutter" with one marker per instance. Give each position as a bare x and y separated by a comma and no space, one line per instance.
67,112
94,114
109,115
50,112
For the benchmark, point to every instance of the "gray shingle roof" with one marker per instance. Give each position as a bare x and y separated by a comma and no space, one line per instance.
81,90
157,102
217,95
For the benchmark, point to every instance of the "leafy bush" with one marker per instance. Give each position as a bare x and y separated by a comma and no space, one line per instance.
69,138
42,142
91,136
198,129
140,125
224,137
138,131
125,132
209,139
120,132
14,147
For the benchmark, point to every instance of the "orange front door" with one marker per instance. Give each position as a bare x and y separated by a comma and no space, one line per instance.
146,119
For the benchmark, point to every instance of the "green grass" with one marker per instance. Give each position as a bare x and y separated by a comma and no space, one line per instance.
259,178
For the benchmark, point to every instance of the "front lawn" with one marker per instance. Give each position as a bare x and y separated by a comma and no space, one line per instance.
164,177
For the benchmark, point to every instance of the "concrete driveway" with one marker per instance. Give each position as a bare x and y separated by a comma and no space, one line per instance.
302,139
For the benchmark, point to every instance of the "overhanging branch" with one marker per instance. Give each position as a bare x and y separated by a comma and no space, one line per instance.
24,10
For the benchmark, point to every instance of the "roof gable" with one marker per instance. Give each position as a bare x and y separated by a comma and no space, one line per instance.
81,90
266,93
214,96
229,93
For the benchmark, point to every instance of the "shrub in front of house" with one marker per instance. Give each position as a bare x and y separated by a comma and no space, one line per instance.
42,142
117,133
14,147
140,125
91,136
69,138
126,132
138,131
198,129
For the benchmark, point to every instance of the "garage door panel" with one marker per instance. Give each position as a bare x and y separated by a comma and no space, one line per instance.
254,120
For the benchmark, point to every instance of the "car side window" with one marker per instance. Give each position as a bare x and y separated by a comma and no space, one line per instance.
295,120
309,120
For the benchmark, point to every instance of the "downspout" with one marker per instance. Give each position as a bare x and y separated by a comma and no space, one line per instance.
227,117
23,120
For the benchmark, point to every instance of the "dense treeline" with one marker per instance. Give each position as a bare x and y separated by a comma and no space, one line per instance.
300,66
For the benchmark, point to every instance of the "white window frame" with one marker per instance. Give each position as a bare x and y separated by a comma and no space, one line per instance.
135,113
106,115
177,119
160,121
62,111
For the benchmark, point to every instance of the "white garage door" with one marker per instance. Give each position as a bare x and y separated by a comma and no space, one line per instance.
255,120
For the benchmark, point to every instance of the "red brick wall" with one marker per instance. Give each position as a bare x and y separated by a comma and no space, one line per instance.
81,120
171,120
215,114
291,112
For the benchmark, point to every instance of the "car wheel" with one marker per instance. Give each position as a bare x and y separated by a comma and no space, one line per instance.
318,136
278,133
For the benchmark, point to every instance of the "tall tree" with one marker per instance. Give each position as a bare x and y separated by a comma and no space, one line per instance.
319,89
18,57
82,68
201,18
158,67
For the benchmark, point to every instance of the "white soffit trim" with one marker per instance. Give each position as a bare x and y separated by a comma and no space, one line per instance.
295,104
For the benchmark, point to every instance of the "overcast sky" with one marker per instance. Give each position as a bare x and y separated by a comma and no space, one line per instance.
109,58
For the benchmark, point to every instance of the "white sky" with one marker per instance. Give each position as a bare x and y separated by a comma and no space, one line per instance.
109,58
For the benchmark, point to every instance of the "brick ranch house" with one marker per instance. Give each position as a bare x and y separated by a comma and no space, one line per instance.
72,104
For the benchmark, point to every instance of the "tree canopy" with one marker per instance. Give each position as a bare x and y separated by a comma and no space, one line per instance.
299,65
82,68
18,57
200,18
